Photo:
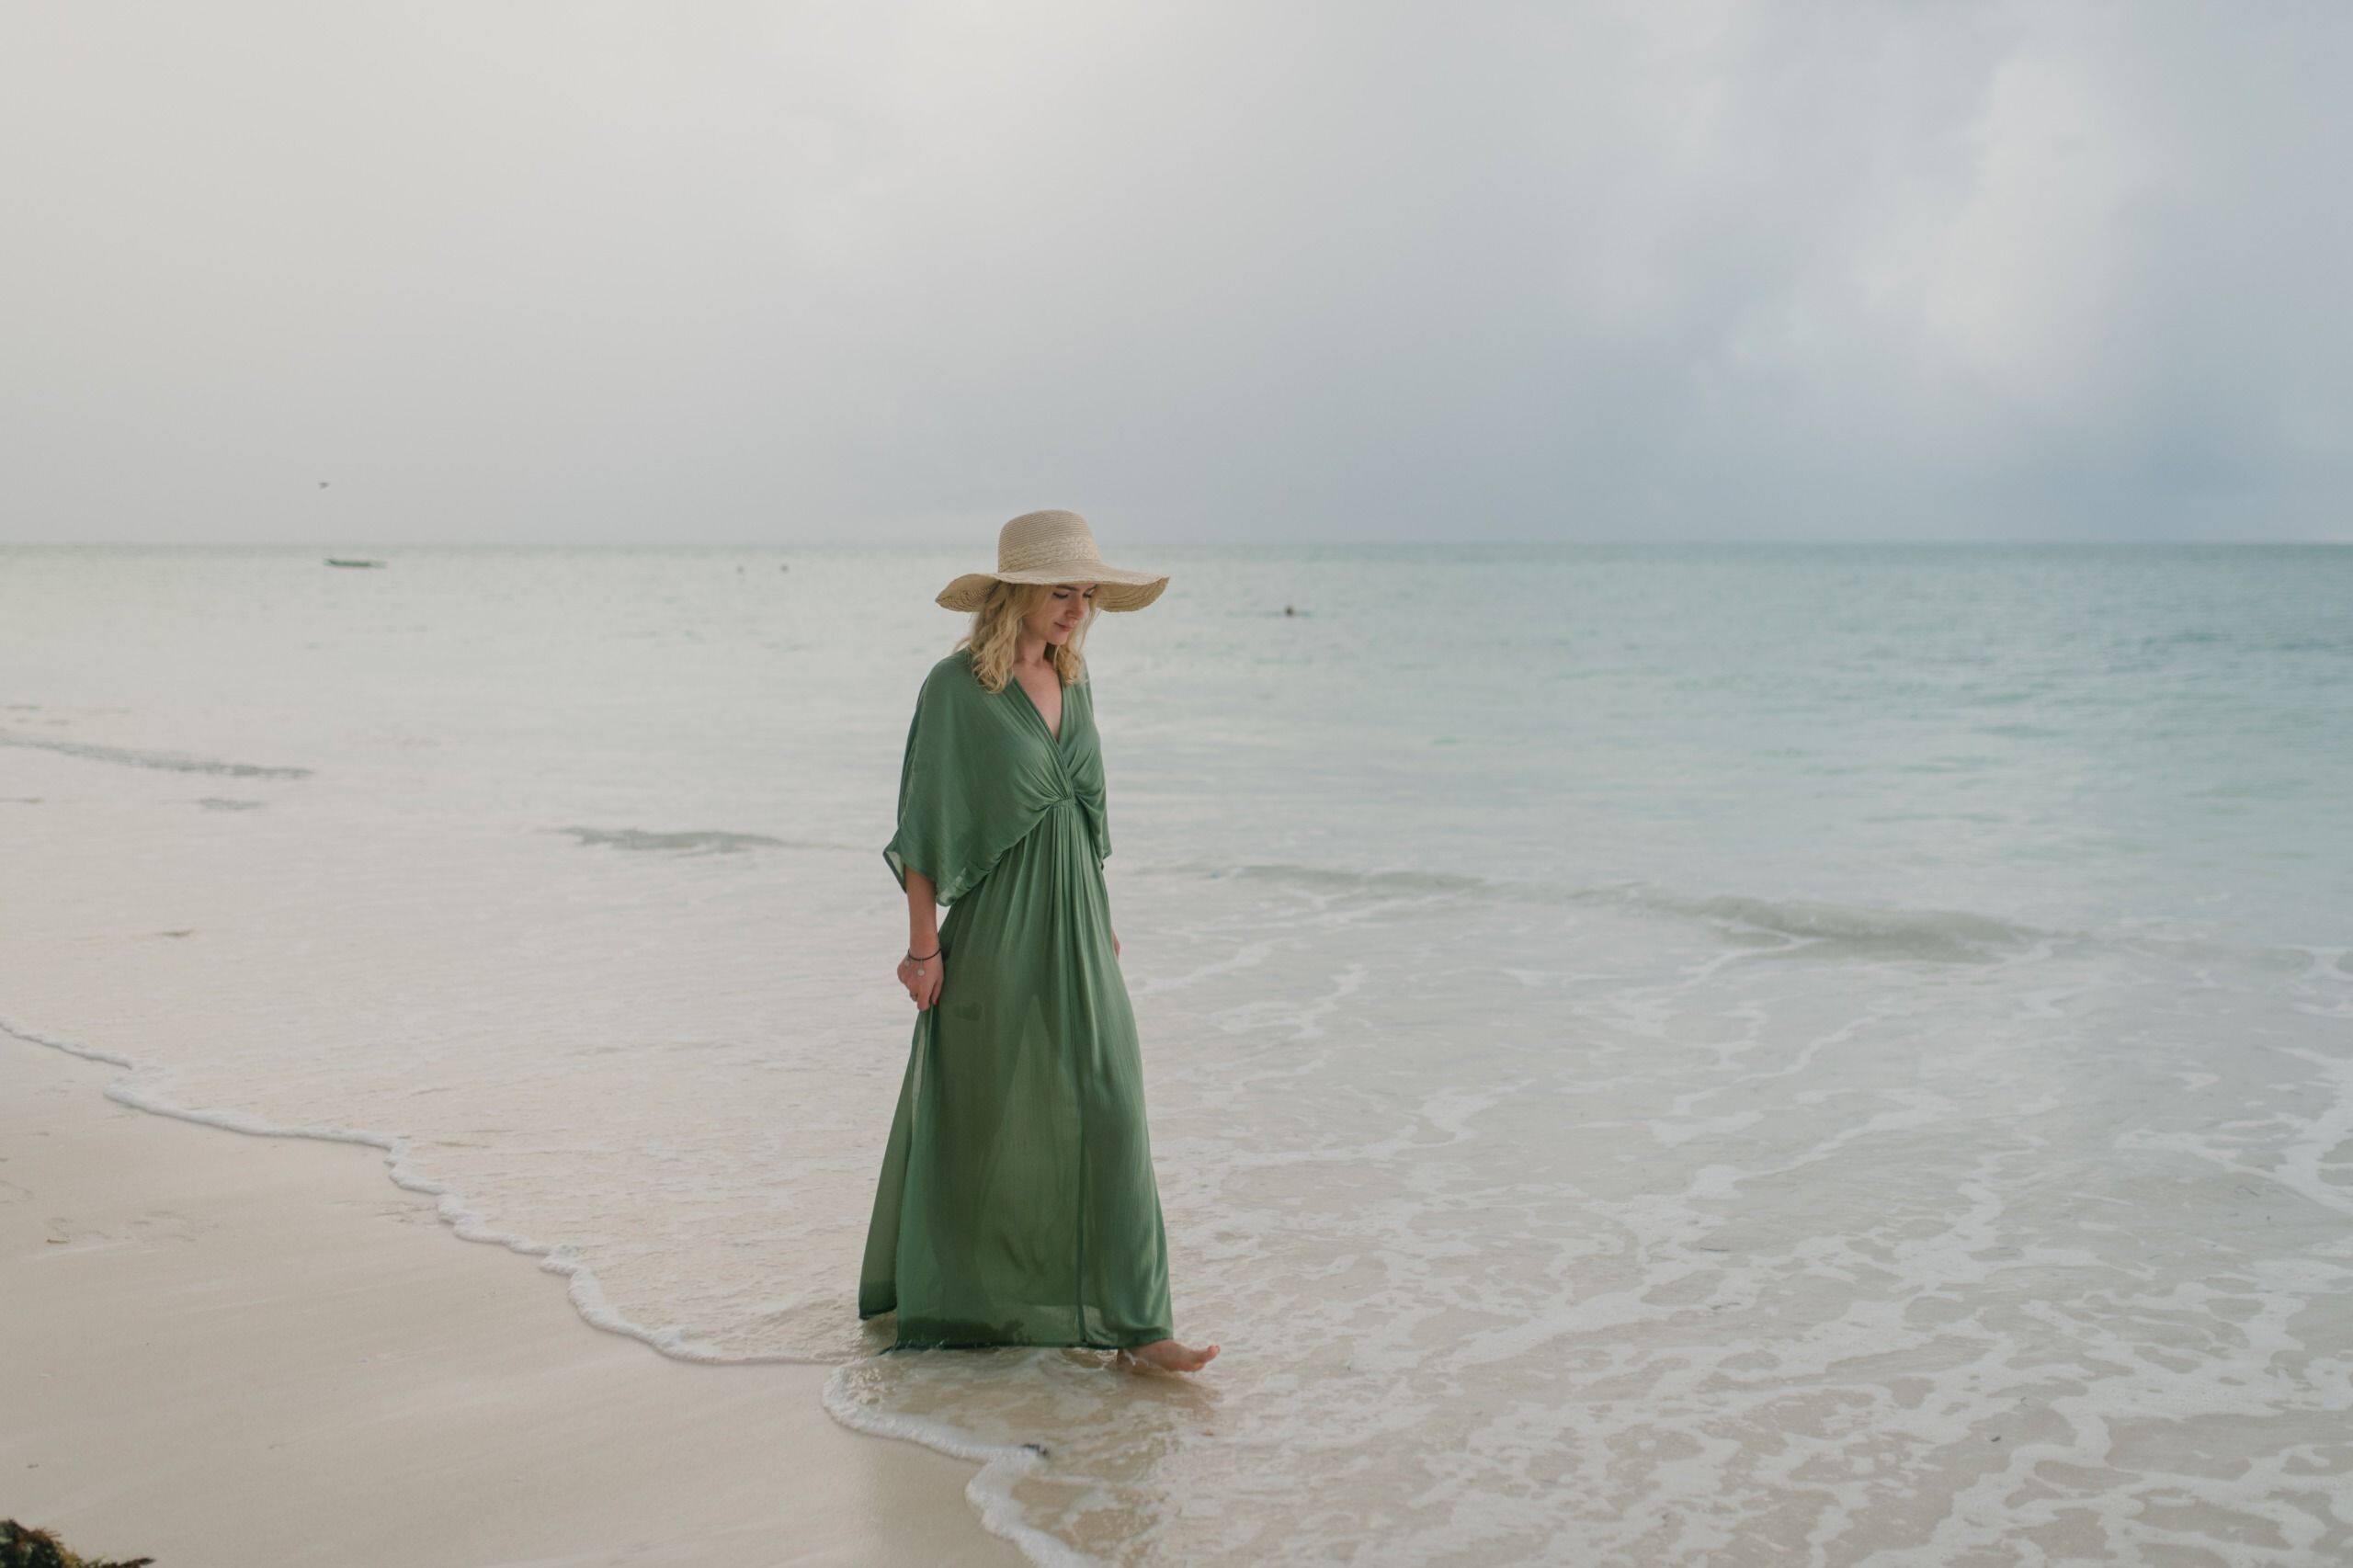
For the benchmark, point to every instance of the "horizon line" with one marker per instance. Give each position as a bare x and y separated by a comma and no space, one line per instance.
774,547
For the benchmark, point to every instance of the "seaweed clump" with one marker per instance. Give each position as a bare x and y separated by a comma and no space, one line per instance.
21,1546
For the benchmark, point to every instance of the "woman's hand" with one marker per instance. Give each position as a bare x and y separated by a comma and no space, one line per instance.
922,978
1115,944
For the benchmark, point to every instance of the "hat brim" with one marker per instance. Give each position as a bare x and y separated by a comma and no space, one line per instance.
1114,589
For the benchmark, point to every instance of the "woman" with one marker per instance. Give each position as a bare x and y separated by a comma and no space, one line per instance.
1016,1204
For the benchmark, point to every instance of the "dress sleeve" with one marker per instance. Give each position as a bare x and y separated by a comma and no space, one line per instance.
959,809
1086,777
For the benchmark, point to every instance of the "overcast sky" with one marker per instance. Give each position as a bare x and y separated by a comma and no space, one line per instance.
782,273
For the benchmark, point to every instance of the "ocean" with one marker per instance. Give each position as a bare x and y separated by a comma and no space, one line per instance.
1708,1053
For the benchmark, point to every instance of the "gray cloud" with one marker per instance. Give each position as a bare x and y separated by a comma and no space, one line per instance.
1204,271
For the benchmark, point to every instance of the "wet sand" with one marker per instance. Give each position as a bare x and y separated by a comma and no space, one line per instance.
229,1349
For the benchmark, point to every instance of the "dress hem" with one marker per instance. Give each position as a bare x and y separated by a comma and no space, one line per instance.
1148,1336
1025,1344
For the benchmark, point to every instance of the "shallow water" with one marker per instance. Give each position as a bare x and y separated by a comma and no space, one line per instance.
1698,1054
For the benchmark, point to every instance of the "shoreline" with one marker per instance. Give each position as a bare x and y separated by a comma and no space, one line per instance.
240,1348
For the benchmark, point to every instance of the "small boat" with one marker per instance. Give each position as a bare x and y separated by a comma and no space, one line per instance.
339,561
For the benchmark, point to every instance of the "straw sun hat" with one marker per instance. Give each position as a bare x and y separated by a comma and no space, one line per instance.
1053,547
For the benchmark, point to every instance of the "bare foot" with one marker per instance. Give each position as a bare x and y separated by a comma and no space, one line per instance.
1169,1356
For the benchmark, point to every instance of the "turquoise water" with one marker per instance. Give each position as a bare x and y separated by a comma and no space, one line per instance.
2073,735
1656,1054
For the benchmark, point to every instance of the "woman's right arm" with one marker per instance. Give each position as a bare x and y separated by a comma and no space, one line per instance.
923,939
923,914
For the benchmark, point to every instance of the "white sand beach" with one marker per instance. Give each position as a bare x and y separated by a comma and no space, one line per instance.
232,1349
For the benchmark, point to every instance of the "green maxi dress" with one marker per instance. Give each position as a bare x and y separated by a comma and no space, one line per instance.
1016,1204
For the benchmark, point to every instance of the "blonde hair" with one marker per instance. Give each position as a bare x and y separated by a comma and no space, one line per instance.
996,632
